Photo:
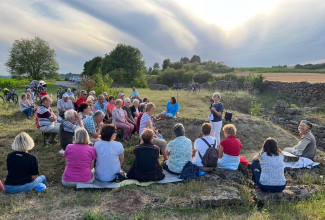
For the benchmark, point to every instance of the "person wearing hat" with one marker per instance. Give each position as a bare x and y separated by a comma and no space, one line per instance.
306,147
121,96
64,104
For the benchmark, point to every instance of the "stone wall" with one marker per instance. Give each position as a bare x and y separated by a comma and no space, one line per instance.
289,118
299,90
158,87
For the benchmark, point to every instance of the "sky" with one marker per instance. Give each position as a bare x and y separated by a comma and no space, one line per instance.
240,33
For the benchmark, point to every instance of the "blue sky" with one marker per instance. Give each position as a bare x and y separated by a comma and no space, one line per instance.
238,32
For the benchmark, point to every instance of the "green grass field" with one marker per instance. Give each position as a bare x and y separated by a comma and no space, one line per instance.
155,201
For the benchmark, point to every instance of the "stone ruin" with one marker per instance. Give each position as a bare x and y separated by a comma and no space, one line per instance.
158,87
289,118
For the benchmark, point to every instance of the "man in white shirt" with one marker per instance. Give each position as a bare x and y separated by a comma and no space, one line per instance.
64,104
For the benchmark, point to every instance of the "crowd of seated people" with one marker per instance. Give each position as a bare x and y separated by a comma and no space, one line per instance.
92,152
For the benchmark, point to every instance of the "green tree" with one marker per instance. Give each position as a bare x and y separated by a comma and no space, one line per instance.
102,82
32,58
185,60
166,64
156,66
92,66
195,59
127,58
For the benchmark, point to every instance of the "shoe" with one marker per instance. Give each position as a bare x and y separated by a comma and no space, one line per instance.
61,152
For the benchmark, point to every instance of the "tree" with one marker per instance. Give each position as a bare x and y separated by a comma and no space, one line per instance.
185,60
195,59
156,66
92,66
166,63
124,57
32,58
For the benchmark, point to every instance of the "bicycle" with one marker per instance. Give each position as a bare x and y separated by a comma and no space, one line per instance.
10,95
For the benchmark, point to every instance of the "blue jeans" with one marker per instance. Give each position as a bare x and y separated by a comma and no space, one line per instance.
27,187
29,111
256,168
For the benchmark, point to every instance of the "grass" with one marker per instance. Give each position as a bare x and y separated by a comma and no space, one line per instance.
136,202
277,70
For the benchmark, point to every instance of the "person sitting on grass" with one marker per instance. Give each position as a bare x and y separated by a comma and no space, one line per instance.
179,151
172,109
25,106
146,166
307,144
268,168
80,159
135,109
128,113
121,122
64,104
229,149
83,97
134,94
110,105
84,110
146,122
23,174
72,122
110,155
142,110
30,100
93,125
200,146
47,120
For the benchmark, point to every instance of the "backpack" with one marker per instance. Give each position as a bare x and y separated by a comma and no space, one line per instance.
189,171
210,158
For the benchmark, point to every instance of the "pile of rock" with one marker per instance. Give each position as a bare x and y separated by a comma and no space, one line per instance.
158,87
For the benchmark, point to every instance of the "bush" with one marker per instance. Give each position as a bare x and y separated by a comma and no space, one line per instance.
256,109
171,76
102,83
202,77
139,82
151,79
258,82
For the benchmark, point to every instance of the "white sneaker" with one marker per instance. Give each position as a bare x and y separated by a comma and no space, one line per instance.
61,151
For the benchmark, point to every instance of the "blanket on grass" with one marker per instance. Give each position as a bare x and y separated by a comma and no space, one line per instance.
169,178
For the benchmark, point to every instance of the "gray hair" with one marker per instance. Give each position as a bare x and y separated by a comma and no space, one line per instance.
142,106
83,92
69,114
99,114
23,95
179,130
104,93
101,97
127,100
23,142
92,92
136,100
81,136
216,95
69,89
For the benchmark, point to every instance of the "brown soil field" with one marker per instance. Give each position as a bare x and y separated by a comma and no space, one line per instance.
296,77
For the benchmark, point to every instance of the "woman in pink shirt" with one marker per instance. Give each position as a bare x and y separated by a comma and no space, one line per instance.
80,159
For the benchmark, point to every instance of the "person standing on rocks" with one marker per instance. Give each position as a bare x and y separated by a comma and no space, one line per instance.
216,117
306,147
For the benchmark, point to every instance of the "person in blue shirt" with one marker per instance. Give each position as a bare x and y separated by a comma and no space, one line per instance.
216,117
100,104
69,93
172,109
134,94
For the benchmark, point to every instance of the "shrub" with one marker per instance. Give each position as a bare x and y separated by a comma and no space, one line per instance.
152,79
22,83
258,82
256,109
102,83
139,82
202,77
171,76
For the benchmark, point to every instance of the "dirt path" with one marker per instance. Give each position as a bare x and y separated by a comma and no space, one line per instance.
68,84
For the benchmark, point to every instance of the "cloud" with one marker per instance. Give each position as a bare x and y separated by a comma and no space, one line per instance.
292,32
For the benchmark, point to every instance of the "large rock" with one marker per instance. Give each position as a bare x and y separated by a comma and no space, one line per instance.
291,193
292,111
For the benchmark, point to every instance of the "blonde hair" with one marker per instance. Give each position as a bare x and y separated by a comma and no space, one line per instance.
147,135
23,142
230,129
216,95
81,136
150,106
118,101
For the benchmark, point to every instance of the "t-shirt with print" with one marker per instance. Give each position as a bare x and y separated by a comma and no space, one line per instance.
78,165
144,119
272,170
231,146
180,152
201,146
118,113
108,160
21,167
219,107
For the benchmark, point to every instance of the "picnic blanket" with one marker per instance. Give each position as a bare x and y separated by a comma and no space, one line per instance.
169,178
303,162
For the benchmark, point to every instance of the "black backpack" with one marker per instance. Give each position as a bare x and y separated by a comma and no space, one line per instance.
210,158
